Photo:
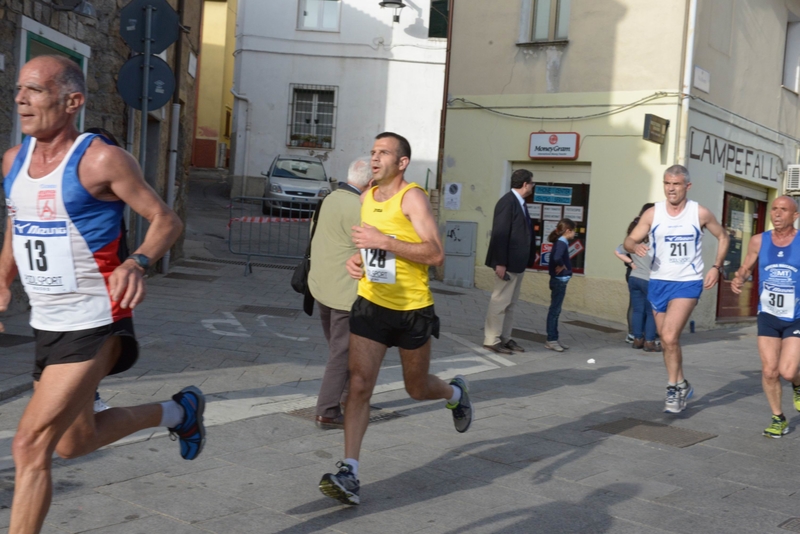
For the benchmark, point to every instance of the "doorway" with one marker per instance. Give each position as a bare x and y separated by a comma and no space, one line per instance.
742,217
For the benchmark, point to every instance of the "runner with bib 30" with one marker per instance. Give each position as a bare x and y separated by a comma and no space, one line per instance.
778,255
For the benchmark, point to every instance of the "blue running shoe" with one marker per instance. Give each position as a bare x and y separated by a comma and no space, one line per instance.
191,431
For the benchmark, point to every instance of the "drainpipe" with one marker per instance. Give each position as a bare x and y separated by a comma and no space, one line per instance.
443,118
246,100
688,68
174,127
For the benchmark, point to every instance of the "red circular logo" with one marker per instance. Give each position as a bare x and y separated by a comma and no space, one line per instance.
553,139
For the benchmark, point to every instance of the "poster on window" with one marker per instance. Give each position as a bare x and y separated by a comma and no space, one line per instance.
574,212
547,248
549,226
535,211
551,213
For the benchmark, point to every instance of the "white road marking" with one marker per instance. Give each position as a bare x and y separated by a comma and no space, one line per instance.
480,350
263,323
231,320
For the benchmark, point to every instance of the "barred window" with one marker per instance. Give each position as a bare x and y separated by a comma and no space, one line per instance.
313,116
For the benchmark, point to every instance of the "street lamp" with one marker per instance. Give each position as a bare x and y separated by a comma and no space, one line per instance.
397,5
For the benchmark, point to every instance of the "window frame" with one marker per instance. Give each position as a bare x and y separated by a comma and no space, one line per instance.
32,31
301,5
318,141
558,10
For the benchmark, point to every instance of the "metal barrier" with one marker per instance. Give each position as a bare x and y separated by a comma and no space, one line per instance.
255,229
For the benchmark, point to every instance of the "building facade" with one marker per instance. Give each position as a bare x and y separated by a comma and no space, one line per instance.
566,90
214,98
323,77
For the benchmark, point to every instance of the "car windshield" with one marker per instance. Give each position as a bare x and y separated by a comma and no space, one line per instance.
292,168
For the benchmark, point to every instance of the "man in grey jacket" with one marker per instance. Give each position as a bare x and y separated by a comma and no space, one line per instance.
333,288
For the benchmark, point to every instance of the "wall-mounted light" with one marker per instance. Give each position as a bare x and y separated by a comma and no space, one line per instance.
81,7
397,5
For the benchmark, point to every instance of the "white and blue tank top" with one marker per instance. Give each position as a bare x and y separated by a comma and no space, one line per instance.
778,276
65,243
677,244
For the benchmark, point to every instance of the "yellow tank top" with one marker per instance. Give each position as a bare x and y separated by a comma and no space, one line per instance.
389,281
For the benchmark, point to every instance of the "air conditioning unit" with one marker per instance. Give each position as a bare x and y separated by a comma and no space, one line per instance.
791,183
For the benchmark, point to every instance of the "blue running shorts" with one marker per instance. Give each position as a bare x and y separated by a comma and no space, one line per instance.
660,292
771,326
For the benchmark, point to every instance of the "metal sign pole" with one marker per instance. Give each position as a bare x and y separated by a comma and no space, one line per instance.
148,19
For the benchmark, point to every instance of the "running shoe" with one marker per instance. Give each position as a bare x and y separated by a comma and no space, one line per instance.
796,390
685,393
342,486
673,401
629,339
778,428
99,404
191,431
462,410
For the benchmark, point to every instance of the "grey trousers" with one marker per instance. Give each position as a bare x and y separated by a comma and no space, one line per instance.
500,315
336,326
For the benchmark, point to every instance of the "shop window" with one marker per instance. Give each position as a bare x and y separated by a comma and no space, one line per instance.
545,20
38,40
548,204
312,116
320,15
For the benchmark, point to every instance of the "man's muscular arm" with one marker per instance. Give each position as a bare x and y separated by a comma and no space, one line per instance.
633,243
708,221
8,269
743,273
110,173
416,207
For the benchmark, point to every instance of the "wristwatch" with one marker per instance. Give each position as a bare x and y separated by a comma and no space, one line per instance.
141,260
719,268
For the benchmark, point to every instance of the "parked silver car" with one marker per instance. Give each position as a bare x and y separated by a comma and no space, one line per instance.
294,185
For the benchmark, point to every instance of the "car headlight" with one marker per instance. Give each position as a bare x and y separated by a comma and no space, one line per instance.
323,193
275,188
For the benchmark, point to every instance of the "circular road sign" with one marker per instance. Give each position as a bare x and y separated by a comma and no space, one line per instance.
164,25
161,82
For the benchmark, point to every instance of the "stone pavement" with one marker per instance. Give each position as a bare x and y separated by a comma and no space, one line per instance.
530,463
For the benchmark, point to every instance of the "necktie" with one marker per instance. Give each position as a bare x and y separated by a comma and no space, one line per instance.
527,215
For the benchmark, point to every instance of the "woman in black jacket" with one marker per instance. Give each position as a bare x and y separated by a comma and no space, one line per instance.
560,273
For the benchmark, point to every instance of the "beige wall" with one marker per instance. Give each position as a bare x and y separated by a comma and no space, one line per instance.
623,170
741,44
210,116
614,45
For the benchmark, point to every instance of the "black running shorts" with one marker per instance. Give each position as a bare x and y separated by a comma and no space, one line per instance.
53,348
405,329
771,326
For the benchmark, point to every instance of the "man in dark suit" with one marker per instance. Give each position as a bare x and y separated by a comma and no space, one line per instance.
509,255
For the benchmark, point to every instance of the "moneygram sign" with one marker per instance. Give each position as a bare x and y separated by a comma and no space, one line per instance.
554,145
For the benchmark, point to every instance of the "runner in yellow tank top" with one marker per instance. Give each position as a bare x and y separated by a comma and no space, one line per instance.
391,281
399,239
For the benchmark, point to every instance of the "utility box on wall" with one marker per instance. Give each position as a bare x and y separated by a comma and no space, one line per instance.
460,241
